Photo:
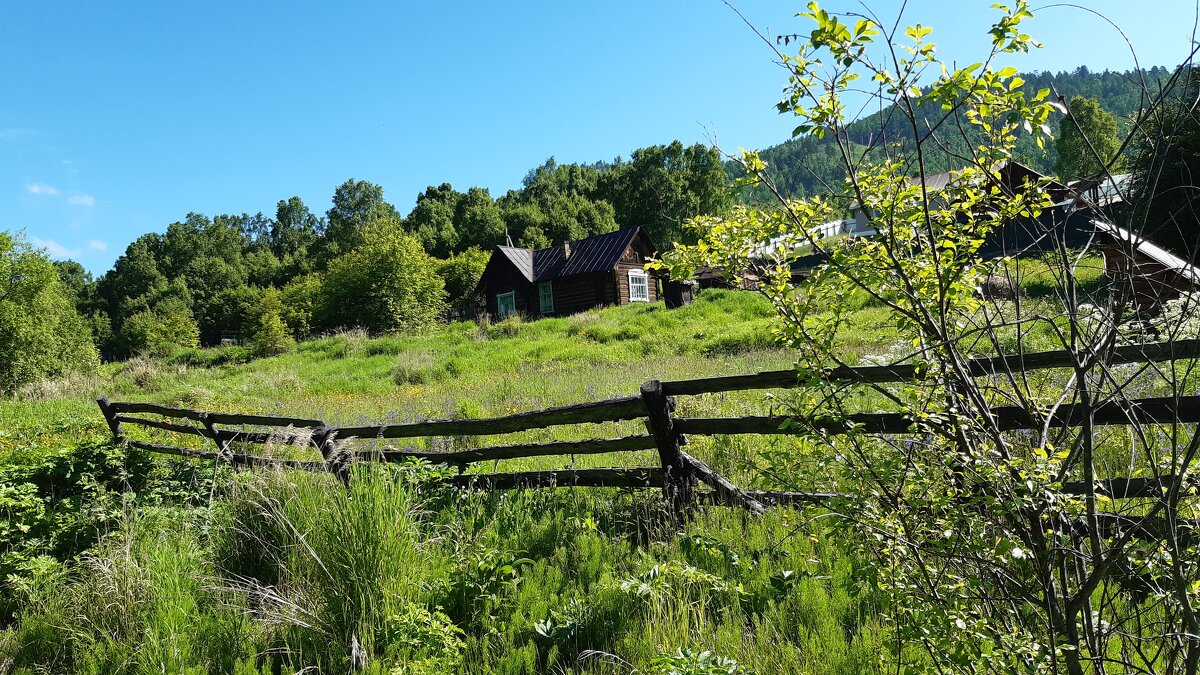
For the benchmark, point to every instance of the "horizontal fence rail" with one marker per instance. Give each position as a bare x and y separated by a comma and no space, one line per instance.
678,473
215,418
615,410
979,367
588,447
1160,410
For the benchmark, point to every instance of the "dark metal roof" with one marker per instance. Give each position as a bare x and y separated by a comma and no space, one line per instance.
521,258
594,254
600,253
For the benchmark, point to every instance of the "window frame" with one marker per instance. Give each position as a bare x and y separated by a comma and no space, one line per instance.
512,295
546,290
645,279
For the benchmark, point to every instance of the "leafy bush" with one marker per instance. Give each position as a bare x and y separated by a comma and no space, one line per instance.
41,334
387,285
461,273
685,662
160,330
267,335
421,642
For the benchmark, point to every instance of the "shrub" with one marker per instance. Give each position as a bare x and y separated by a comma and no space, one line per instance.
422,642
41,334
160,330
685,662
461,273
413,367
266,332
509,326
387,285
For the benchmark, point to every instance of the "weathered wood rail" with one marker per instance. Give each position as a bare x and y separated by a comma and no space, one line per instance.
677,473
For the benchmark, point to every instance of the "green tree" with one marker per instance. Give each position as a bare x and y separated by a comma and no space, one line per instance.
389,284
982,561
664,185
557,203
432,220
461,272
75,280
266,332
1087,144
356,203
164,327
295,232
477,220
299,297
41,334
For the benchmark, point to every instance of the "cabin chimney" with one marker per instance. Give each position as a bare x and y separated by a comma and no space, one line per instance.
566,249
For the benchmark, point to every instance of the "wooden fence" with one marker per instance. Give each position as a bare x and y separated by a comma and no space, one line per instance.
677,473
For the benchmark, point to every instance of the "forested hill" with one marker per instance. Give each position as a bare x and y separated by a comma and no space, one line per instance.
801,166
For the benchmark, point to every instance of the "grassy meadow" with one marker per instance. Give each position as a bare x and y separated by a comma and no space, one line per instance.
119,562
115,561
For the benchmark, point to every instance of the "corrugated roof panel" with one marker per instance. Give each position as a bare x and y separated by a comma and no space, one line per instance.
521,258
594,254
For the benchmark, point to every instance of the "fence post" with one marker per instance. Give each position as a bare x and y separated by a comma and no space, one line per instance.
110,417
335,463
223,451
677,482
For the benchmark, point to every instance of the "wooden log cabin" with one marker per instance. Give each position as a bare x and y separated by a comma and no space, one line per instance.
607,269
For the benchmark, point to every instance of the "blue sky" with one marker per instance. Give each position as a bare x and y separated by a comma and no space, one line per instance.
117,119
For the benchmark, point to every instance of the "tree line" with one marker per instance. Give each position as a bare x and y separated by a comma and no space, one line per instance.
272,279
808,165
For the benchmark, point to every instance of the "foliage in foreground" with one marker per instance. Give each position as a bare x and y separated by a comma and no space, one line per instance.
390,576
988,564
41,335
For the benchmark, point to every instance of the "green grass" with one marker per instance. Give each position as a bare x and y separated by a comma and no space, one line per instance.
211,572
295,572
153,565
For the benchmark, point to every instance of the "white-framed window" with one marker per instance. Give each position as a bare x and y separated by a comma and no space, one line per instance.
546,297
639,286
506,304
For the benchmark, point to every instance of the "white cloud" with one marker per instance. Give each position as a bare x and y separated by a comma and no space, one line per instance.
81,200
40,189
55,249
97,245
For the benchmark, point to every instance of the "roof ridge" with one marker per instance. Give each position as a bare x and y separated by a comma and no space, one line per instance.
591,236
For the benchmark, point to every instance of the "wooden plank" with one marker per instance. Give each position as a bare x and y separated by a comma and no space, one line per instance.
890,423
722,485
1160,410
217,418
641,477
263,420
588,447
678,485
253,462
165,426
165,411
244,460
262,437
110,417
172,450
783,379
1146,528
613,410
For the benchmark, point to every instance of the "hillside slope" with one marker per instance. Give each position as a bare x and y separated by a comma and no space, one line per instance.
804,166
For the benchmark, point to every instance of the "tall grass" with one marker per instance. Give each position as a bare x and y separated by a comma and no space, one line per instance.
293,571
289,571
